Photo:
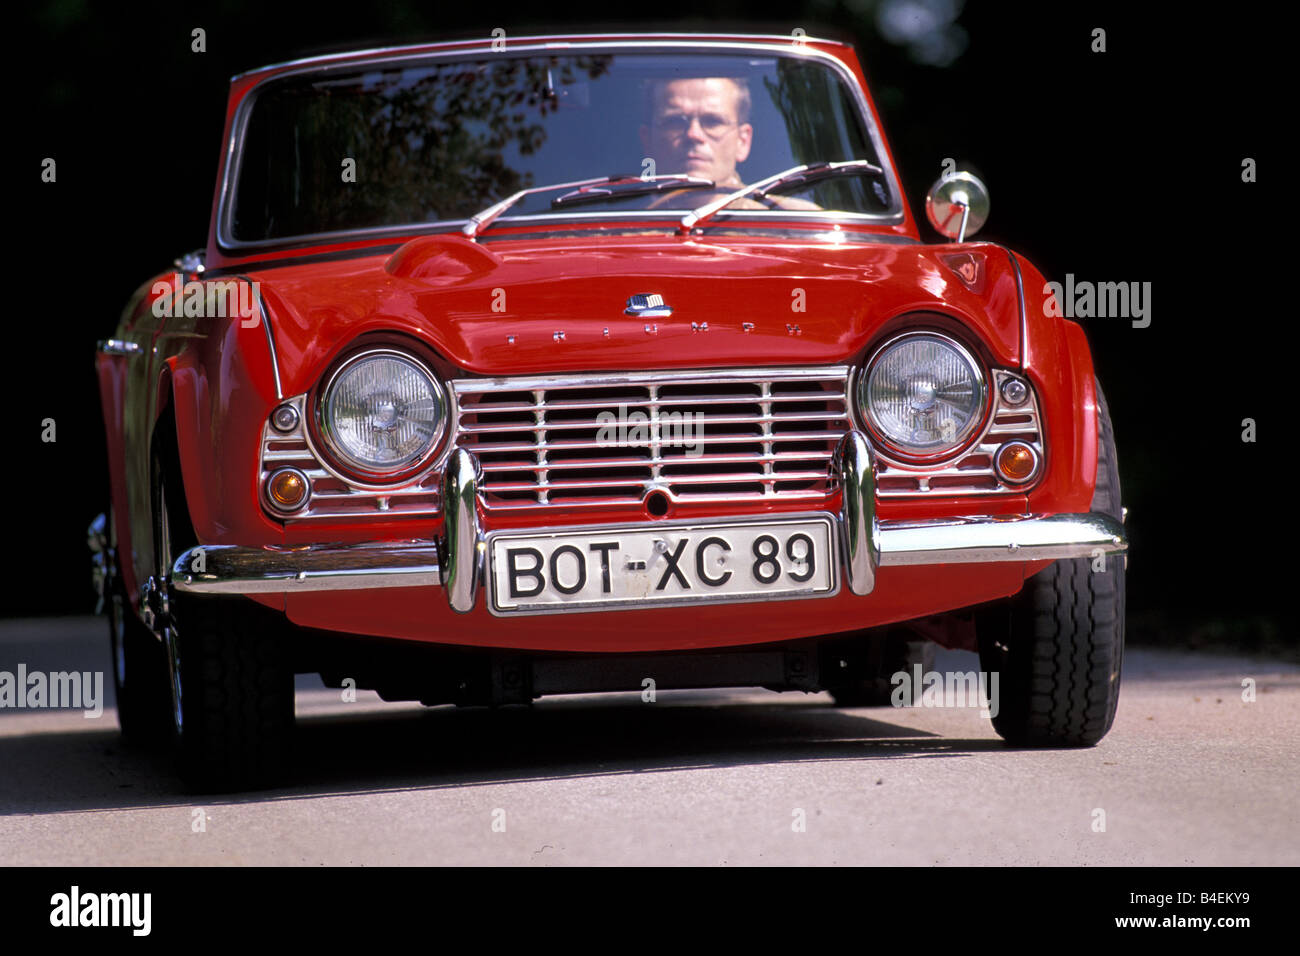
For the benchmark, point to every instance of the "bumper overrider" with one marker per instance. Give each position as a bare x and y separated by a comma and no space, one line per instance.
457,562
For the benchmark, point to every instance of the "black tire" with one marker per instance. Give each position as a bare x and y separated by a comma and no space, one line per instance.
231,695
895,652
139,668
1058,646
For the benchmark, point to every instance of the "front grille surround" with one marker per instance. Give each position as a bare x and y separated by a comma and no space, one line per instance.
768,435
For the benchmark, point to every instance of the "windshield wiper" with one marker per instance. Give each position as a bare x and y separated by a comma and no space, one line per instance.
795,176
480,221
623,186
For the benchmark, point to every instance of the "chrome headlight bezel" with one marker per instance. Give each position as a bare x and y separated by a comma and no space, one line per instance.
962,439
367,472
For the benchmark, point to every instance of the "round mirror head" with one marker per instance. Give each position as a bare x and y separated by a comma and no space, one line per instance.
950,198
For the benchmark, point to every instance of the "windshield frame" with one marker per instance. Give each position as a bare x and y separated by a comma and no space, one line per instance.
669,219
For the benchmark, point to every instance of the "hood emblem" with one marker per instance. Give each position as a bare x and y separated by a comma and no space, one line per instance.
647,305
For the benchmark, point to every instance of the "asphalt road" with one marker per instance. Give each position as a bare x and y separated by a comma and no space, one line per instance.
1190,774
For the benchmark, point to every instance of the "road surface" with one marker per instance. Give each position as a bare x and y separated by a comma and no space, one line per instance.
1190,774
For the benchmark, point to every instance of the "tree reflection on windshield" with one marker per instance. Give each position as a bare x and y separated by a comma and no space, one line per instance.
428,144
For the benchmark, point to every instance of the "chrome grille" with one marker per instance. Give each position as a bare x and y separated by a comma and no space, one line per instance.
612,438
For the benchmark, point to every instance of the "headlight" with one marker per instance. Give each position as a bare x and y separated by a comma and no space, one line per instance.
922,394
382,411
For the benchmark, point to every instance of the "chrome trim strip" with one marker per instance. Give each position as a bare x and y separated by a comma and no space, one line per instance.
228,569
270,337
985,539
225,205
1024,316
714,229
469,386
559,41
118,347
859,530
463,557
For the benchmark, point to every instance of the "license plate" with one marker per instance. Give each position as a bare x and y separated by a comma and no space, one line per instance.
635,566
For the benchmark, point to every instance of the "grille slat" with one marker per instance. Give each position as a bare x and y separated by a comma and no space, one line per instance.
670,401
561,425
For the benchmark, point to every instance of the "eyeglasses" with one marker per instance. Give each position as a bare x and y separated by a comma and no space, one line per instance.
715,125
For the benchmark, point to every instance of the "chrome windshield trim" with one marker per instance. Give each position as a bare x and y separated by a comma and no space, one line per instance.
234,155
558,41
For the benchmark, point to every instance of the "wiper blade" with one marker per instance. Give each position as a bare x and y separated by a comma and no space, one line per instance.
480,221
794,176
623,186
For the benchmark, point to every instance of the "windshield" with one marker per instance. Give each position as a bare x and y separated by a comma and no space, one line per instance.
438,141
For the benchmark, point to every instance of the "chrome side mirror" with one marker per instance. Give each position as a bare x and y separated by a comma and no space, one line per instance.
958,205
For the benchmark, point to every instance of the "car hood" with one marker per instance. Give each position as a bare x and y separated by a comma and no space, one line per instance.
550,304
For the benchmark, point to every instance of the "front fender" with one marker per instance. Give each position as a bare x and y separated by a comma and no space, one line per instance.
1059,363
216,375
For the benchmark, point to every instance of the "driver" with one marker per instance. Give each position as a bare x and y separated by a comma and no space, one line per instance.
701,127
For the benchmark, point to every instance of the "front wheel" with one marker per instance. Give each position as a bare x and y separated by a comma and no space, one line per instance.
1058,646
231,680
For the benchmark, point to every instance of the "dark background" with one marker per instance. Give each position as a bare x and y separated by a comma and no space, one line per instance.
1116,166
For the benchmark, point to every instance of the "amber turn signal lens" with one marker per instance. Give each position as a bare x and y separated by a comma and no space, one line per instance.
287,489
1016,462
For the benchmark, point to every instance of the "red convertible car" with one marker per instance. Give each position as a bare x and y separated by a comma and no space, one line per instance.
593,363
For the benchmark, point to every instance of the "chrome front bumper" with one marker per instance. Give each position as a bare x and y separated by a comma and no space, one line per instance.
457,562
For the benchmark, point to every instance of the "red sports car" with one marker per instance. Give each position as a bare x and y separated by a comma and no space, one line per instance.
566,364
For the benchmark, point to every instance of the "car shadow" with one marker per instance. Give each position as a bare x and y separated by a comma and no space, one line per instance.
448,747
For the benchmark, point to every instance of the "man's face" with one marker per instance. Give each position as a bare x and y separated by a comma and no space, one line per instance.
694,128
